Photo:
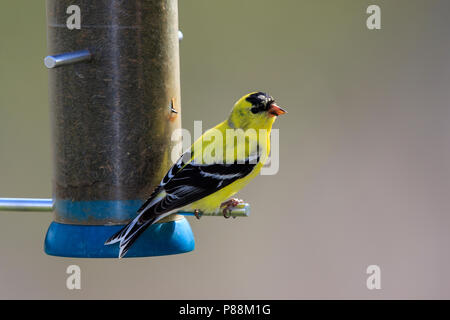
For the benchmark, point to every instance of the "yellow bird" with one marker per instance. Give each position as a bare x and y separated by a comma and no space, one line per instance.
219,164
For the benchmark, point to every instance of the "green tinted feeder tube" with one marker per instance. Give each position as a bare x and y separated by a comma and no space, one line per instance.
112,122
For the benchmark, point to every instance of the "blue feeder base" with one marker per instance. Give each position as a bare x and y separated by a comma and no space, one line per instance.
87,241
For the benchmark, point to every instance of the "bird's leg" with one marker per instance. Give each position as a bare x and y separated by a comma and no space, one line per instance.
229,205
197,214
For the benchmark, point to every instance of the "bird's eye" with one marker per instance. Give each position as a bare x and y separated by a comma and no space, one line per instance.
254,109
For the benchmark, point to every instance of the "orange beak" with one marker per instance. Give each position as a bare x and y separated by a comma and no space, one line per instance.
275,110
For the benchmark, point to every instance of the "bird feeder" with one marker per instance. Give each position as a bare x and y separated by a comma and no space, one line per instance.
114,88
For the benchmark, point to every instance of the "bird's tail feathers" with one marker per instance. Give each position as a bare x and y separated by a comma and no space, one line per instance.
128,234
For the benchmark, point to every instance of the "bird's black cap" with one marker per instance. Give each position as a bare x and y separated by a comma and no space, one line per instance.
260,101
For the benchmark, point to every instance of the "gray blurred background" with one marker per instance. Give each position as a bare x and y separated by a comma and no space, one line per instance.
365,159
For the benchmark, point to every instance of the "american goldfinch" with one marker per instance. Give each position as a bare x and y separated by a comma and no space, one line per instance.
212,170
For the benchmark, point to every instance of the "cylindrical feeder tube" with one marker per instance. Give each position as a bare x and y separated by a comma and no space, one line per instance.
112,122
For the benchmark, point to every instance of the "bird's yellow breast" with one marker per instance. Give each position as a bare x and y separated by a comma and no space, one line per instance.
216,139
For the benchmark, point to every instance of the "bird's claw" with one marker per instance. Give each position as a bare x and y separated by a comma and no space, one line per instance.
229,205
226,213
197,214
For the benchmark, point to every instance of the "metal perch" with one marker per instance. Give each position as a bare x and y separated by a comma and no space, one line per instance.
46,205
